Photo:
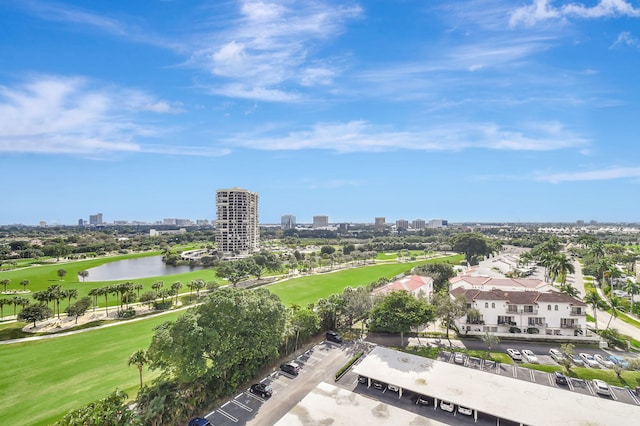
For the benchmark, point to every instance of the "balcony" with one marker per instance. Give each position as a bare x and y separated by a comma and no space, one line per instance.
579,313
522,311
475,321
571,325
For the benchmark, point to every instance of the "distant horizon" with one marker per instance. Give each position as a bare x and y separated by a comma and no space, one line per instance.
526,111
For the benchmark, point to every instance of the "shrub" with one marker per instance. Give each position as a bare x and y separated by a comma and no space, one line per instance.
160,306
188,299
348,365
127,313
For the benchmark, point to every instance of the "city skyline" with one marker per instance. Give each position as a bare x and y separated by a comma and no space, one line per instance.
473,111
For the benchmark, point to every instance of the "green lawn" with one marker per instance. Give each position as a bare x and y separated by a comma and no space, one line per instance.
47,378
309,289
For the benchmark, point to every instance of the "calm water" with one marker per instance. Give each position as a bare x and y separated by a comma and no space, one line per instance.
128,269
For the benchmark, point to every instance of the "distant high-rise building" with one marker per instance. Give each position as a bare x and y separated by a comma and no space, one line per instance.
43,224
580,222
237,226
288,221
593,222
418,224
95,219
320,221
402,224
438,223
380,221
169,221
80,222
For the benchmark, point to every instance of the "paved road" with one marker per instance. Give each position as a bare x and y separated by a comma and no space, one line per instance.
602,316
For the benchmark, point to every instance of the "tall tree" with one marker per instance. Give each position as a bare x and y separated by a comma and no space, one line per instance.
4,283
113,410
489,339
593,298
176,288
139,359
79,308
440,272
561,266
399,312
220,337
614,303
3,301
448,309
94,292
83,275
632,288
24,284
61,274
472,244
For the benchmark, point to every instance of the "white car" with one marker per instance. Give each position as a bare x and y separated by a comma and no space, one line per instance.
464,410
446,406
589,360
458,358
601,387
556,355
514,354
529,356
603,361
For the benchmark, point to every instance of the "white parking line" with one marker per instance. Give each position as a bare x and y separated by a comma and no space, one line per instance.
227,415
533,376
552,381
515,370
241,405
256,397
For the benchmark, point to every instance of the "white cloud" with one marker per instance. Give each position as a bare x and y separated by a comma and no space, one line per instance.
361,136
626,39
542,10
270,48
55,115
592,175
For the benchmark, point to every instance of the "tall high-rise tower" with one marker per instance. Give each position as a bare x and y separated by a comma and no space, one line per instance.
237,227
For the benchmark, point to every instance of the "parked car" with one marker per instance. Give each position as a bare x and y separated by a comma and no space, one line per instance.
577,361
376,384
362,379
291,367
446,406
332,336
458,358
601,387
262,389
603,361
393,388
529,356
560,378
514,354
422,400
619,360
199,421
464,410
556,355
589,360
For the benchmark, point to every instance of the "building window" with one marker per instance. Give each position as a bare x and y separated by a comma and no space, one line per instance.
493,305
548,307
486,304
556,307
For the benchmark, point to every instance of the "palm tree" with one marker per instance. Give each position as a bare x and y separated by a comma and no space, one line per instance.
490,340
603,267
138,287
94,292
631,287
176,287
569,290
597,250
4,283
615,302
83,275
561,266
3,302
104,291
55,292
24,284
593,298
72,293
139,359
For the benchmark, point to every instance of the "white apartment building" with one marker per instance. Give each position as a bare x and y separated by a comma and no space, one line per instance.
511,306
237,226
417,285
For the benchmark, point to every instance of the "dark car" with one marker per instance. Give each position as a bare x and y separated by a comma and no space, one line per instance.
291,368
332,336
199,421
378,385
560,378
262,389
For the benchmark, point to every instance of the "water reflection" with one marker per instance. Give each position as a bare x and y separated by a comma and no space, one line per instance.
141,267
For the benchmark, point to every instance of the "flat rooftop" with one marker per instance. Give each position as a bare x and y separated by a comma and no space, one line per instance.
330,405
500,396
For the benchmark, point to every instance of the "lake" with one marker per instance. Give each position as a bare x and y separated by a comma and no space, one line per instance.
141,267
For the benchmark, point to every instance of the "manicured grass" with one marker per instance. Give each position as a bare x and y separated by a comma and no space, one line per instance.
542,367
309,289
47,378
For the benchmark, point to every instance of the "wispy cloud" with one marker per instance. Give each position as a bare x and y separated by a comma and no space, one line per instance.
55,115
542,10
268,53
626,39
361,136
57,12
592,175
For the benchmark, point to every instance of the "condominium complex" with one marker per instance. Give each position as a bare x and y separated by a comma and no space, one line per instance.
288,221
320,221
237,226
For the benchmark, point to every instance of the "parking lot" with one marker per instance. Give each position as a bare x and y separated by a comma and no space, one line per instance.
540,377
248,408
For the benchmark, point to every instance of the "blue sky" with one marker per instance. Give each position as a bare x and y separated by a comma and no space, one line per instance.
480,110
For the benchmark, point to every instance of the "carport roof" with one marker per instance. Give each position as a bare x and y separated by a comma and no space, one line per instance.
330,405
501,396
